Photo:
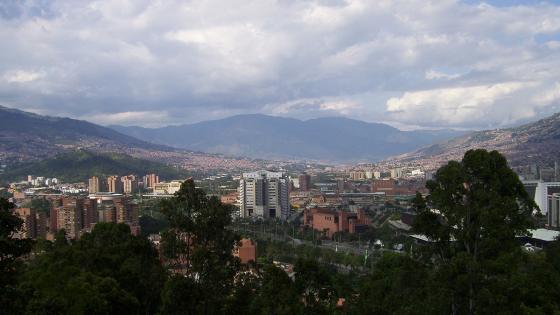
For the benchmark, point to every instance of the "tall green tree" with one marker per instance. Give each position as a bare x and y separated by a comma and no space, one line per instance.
314,284
11,250
397,285
199,249
277,294
107,271
474,211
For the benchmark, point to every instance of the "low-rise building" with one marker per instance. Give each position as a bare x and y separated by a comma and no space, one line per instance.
246,251
167,188
330,221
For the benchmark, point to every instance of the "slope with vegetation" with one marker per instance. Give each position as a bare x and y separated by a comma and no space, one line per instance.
26,136
533,143
75,166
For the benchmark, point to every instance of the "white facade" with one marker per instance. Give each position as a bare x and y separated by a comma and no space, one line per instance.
264,194
553,215
169,188
540,190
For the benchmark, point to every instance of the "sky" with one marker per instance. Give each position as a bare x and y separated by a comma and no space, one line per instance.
412,64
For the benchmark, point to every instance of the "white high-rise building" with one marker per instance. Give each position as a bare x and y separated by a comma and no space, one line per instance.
553,215
540,191
264,194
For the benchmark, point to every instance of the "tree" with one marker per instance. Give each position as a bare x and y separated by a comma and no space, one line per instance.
11,250
313,282
277,294
107,271
474,211
398,285
198,246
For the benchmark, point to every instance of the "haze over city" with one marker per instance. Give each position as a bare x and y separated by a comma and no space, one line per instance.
412,64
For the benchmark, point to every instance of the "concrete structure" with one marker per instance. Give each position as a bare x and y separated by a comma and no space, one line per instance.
304,182
540,237
358,175
540,190
90,216
129,184
264,194
384,185
69,216
116,208
396,172
169,188
246,251
330,221
553,214
94,185
29,226
150,181
114,185
295,183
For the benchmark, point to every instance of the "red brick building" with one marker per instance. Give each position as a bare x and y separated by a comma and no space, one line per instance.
246,251
331,221
387,186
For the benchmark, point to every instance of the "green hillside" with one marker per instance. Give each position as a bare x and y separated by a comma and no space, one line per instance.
79,165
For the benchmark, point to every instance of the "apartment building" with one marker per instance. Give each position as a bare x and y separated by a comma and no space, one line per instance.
94,185
264,194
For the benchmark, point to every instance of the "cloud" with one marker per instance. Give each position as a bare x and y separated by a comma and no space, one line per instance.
465,64
21,76
145,118
313,108
550,96
460,106
437,75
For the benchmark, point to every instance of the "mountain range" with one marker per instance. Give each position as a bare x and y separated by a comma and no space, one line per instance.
26,136
533,143
333,139
30,138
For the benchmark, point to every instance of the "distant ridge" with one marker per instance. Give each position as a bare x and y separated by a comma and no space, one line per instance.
27,139
533,143
334,139
26,136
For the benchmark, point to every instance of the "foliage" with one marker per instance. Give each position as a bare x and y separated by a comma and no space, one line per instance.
11,250
474,265
199,246
150,225
108,271
313,282
276,295
80,165
481,207
398,285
